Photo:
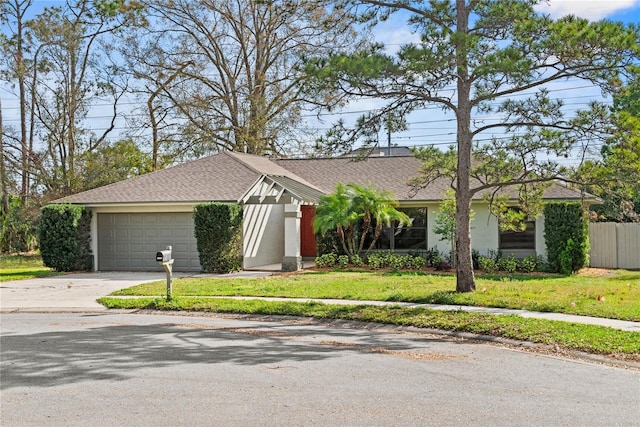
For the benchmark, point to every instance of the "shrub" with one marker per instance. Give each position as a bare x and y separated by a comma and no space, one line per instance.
18,227
529,264
326,260
564,222
396,262
432,257
542,264
508,264
377,260
357,261
343,261
565,259
218,231
64,232
488,265
328,242
417,262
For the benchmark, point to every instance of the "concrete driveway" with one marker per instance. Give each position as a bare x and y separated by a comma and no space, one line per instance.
79,291
68,292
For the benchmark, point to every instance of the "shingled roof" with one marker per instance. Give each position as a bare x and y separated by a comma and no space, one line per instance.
227,176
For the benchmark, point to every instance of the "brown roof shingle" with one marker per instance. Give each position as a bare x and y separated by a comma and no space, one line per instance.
227,176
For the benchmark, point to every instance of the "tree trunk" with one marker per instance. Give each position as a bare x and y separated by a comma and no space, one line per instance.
465,281
4,207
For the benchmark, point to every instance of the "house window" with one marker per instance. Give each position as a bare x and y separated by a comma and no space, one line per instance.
405,237
516,240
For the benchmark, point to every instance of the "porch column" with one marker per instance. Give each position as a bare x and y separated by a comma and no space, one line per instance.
292,260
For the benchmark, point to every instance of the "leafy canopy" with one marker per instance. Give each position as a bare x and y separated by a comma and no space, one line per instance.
354,211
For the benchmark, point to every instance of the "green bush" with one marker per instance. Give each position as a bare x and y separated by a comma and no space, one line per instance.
508,264
488,265
357,261
564,222
18,227
432,257
377,260
566,258
343,261
64,233
417,262
529,264
218,231
326,260
328,242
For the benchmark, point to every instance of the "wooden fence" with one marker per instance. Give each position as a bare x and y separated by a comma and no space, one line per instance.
614,245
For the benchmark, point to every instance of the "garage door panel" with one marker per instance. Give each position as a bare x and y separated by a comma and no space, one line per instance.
129,242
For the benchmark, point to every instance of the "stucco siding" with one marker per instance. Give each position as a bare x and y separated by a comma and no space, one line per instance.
263,235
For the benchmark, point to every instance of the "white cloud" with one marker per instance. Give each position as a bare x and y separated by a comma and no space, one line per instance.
589,9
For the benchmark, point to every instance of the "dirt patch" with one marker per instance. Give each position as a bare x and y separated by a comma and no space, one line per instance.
596,272
401,353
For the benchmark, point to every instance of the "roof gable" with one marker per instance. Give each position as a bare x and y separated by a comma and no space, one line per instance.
228,177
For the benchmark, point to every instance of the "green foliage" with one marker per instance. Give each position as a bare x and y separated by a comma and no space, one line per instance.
566,233
357,261
508,264
64,233
495,52
218,232
380,260
615,178
565,259
328,243
343,261
326,260
113,163
18,228
529,264
432,257
352,212
488,265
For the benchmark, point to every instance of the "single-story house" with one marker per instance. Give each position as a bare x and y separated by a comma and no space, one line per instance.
133,219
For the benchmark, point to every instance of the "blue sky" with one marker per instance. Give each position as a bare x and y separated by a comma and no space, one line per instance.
429,126
615,10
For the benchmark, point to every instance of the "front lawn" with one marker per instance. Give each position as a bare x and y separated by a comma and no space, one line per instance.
24,266
600,293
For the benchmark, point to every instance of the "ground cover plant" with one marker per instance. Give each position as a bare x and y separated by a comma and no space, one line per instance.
23,266
600,293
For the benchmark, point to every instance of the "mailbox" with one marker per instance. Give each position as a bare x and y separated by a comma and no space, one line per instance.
163,256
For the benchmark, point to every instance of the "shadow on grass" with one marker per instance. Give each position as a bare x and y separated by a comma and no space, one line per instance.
21,275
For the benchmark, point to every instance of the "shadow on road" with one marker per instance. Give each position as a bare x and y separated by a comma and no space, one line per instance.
114,352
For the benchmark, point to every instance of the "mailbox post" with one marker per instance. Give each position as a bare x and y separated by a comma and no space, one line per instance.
164,258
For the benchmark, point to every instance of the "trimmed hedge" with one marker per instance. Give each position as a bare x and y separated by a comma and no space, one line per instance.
566,233
218,232
64,232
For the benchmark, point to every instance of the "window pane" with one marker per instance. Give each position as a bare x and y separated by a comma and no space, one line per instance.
519,239
415,235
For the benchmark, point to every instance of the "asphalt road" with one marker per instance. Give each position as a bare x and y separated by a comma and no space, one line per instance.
110,369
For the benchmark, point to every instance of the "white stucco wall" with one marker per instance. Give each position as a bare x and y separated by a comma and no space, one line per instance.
263,235
484,231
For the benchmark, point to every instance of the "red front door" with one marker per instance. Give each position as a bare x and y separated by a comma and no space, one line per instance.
307,236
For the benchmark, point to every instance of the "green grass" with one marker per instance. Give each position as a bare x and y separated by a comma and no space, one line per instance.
588,338
615,295
28,266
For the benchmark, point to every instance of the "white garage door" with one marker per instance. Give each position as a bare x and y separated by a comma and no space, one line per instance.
129,241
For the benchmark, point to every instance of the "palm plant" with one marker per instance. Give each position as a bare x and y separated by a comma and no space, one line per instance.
352,210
